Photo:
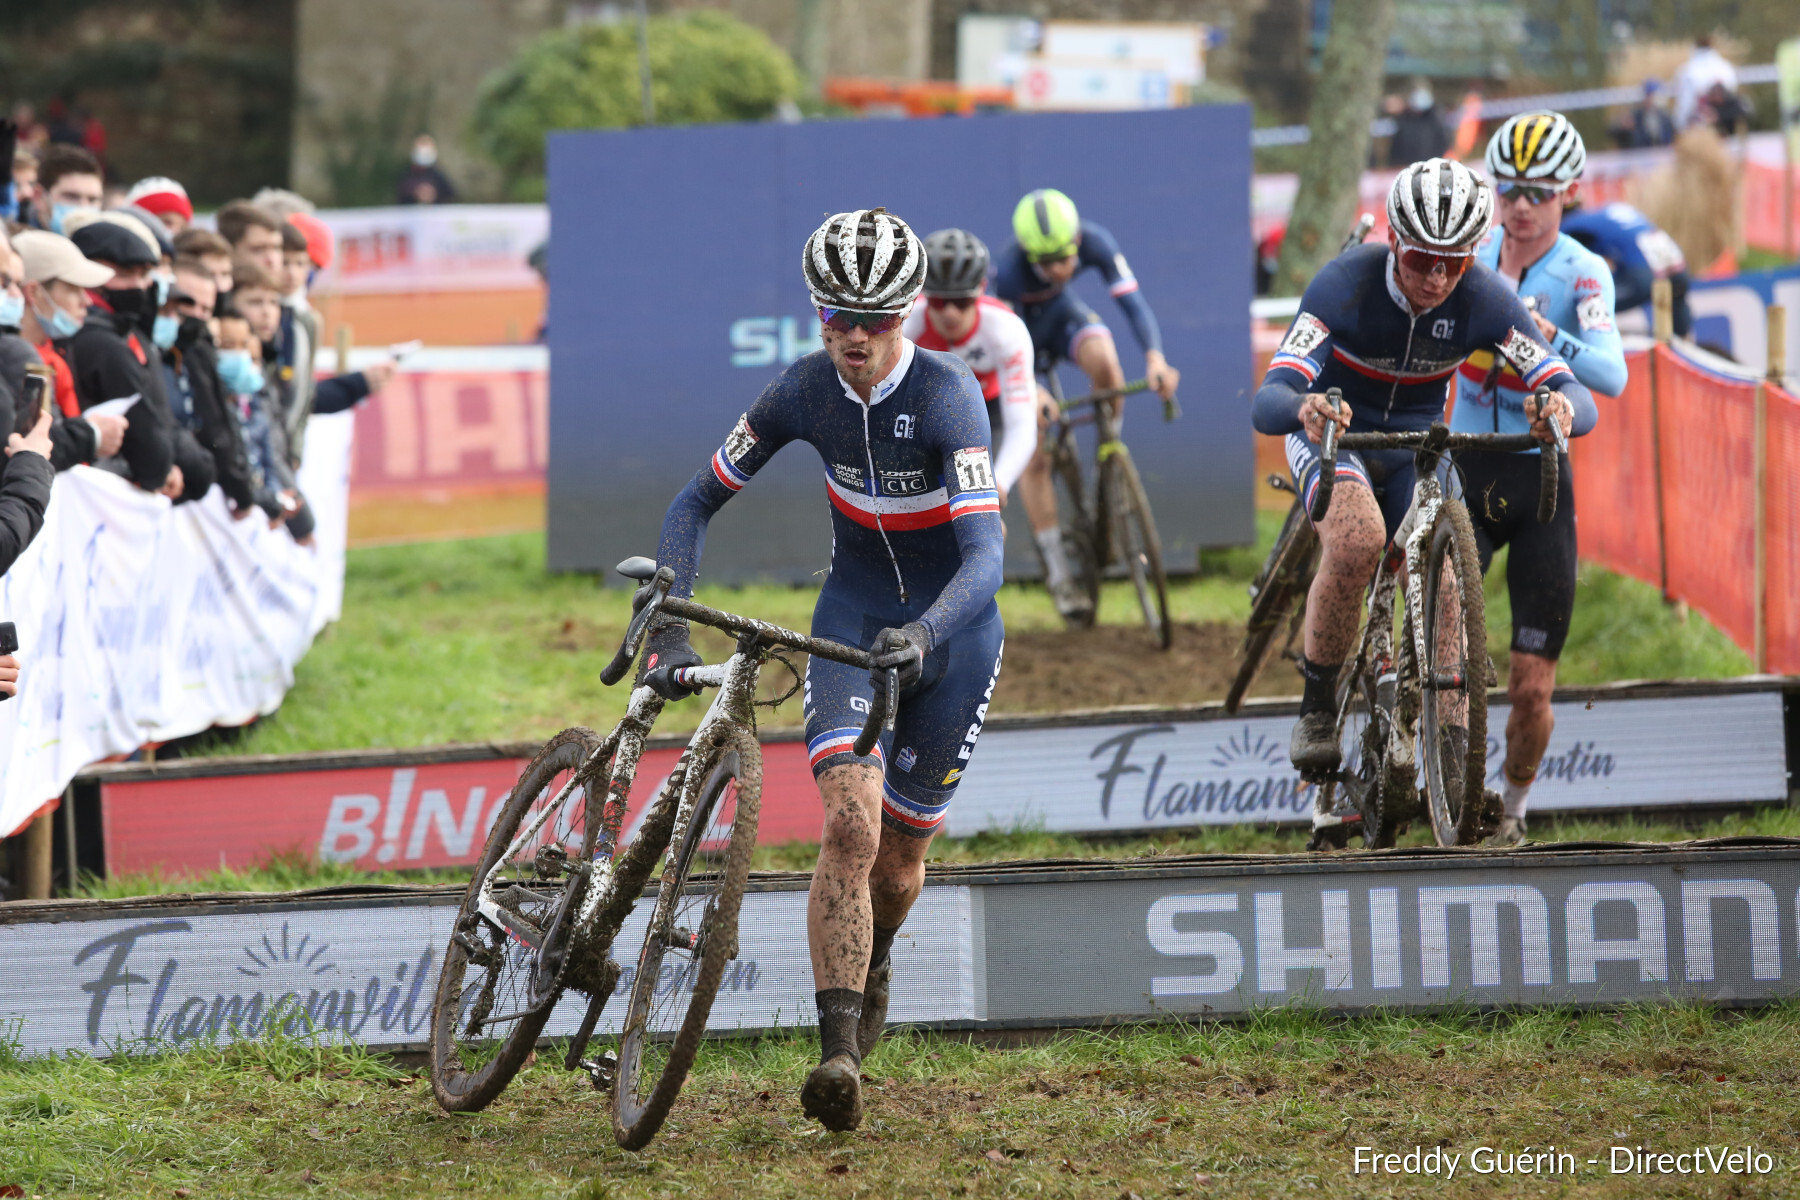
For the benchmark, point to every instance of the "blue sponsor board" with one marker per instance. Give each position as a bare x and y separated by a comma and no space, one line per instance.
677,296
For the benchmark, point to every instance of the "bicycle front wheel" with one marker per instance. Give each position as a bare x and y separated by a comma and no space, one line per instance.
1453,716
491,1003
1135,538
1284,579
693,933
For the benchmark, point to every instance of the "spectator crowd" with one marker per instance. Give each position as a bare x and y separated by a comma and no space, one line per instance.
138,341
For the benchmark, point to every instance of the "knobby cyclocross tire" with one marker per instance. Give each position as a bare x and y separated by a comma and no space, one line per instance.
1136,540
1361,728
647,1083
1455,810
1080,545
1284,577
467,1070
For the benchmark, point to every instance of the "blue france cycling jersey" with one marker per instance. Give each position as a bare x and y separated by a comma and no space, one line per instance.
1637,251
1017,282
915,517
1356,331
1573,290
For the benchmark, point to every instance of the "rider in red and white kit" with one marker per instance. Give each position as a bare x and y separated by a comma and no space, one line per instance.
955,315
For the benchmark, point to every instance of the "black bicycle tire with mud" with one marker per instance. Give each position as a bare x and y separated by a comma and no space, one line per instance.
1131,505
457,1090
1279,584
1455,517
636,1134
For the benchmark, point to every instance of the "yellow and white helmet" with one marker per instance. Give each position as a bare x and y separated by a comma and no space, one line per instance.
1540,149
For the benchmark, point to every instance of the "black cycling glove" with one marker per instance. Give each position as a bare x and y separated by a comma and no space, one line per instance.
905,649
667,649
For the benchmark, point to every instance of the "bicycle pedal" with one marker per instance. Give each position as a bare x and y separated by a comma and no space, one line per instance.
602,1071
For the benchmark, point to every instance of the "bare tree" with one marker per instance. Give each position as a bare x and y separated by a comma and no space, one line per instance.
1343,103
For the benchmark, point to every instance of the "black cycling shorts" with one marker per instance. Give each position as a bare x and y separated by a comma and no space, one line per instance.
1501,491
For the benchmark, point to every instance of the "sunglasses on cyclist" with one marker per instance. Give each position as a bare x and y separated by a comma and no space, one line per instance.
959,303
1427,262
843,320
1533,194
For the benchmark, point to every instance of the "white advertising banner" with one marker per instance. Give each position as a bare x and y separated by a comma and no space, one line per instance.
140,621
434,248
367,972
1623,753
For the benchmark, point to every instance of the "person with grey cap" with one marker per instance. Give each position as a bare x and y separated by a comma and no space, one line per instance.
54,277
111,354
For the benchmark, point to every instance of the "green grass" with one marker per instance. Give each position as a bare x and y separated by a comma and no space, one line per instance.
1270,1107
464,641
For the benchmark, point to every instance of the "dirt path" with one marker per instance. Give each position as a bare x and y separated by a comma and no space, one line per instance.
1111,665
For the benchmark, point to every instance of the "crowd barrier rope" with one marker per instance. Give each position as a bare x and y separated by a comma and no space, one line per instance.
140,621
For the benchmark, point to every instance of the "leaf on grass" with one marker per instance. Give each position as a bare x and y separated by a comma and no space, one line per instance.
1202,1180
1439,1052
1072,1168
184,1193
11,1189
838,1169
1192,1060
994,1156
307,1176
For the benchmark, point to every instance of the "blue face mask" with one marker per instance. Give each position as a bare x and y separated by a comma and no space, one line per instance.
58,324
12,311
164,331
238,373
58,212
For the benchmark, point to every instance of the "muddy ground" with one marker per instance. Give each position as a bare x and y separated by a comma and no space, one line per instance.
1052,671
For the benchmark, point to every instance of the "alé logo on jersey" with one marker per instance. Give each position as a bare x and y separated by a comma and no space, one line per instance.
773,341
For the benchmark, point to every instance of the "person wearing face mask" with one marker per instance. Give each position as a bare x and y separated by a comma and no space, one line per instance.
197,396
1419,132
423,183
112,354
54,277
69,181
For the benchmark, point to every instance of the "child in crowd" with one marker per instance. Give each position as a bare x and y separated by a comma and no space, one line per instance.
248,336
213,253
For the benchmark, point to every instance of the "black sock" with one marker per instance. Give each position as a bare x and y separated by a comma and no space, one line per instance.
839,1011
1319,686
884,942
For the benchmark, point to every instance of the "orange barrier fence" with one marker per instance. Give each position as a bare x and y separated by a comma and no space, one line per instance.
1781,532
1615,480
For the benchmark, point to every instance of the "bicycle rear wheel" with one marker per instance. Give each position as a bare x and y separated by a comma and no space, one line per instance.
491,1003
1455,680
1135,537
693,933
1361,733
1283,580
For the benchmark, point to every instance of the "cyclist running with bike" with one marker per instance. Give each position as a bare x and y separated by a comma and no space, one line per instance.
957,316
1053,245
1536,160
1388,326
915,564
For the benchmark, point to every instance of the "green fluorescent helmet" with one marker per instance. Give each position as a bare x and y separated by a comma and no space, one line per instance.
1047,225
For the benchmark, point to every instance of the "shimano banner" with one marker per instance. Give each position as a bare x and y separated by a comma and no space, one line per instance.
674,300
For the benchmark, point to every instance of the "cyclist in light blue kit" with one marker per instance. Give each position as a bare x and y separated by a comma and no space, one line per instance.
1536,160
915,563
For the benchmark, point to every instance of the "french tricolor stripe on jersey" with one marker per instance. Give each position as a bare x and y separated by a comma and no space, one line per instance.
836,741
1296,362
912,815
1373,372
727,474
964,503
895,512
1124,287
1550,366
1344,471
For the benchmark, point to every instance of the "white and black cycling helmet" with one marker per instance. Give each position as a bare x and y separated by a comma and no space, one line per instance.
956,264
1439,205
866,261
1539,149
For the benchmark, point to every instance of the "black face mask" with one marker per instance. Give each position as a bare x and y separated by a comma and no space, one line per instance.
192,330
133,308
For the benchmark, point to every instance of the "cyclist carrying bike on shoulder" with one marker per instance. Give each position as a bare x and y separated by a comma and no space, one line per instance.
915,564
956,315
1536,161
1053,245
1388,326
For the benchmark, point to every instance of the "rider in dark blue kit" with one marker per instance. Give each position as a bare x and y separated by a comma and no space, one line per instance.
1388,325
903,437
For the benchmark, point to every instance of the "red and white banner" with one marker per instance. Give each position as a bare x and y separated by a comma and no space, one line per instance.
434,248
379,818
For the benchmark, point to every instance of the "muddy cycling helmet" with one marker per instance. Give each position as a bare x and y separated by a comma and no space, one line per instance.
865,261
1541,149
1047,225
956,264
1439,205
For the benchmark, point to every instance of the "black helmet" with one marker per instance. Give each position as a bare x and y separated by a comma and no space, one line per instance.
956,264
865,261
